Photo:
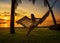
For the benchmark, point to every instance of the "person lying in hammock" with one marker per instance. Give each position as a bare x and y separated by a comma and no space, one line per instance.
32,26
41,20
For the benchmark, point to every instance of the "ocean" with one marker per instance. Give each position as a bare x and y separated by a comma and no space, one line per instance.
6,23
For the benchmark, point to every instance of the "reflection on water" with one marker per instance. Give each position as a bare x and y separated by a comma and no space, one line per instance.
6,23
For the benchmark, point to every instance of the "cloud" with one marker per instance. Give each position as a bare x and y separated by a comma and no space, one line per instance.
5,1
5,7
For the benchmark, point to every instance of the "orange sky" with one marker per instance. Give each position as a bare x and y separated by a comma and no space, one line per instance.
26,9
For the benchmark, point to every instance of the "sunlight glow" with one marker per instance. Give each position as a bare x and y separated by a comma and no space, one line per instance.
6,25
5,18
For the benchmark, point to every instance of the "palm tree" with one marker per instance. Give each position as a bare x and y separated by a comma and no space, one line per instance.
47,4
14,5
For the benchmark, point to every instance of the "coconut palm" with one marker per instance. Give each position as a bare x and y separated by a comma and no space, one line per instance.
46,3
14,5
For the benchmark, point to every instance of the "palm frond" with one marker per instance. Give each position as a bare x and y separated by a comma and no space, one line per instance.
29,0
45,3
17,3
33,1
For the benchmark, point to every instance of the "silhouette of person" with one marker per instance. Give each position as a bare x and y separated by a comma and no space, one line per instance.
32,17
32,26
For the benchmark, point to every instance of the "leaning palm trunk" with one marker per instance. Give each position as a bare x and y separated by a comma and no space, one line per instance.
12,31
54,20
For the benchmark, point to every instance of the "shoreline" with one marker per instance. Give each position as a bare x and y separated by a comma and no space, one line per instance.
25,27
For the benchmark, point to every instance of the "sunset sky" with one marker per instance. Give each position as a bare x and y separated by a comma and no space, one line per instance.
26,8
